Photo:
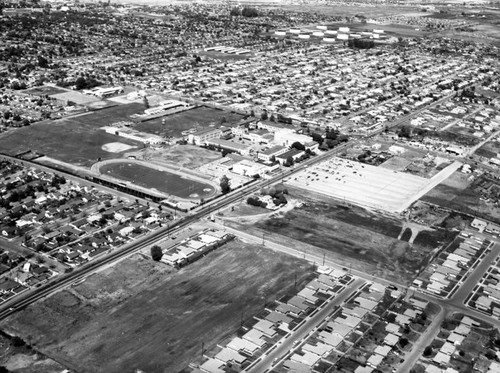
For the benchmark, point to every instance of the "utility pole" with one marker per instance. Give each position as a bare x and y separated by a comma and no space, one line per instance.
324,254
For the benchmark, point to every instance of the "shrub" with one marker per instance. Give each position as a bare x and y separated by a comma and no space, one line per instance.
18,342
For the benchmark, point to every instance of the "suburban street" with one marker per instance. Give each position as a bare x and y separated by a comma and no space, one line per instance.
447,306
286,347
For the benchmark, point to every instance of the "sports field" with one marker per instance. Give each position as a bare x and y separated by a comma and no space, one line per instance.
366,185
75,140
141,314
45,90
158,178
187,156
197,118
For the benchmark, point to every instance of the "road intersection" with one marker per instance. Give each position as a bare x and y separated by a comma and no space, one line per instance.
447,306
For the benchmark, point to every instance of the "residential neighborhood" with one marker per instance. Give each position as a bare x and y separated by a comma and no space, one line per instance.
261,187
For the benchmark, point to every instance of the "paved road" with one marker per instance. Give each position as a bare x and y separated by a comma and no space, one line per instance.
466,287
425,339
60,282
286,347
447,306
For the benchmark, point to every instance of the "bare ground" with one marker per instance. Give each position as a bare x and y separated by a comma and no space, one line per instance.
144,315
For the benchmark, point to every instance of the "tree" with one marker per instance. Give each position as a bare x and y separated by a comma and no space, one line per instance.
235,12
403,342
42,62
249,12
317,137
297,145
225,185
490,355
428,351
263,116
80,83
145,101
156,253
405,131
228,80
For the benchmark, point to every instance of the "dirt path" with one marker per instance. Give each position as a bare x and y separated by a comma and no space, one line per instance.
415,230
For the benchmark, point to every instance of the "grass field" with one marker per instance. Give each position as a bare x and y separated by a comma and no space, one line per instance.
161,180
348,235
74,140
140,314
200,117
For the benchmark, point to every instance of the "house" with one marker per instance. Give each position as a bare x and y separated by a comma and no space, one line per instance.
479,224
7,286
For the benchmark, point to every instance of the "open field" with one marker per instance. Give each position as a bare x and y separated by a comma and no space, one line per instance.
65,142
200,117
75,140
187,156
157,178
367,185
140,314
349,235
459,194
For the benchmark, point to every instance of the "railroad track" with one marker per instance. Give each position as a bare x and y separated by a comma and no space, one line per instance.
22,300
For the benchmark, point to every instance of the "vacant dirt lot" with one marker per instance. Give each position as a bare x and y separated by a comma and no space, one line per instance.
350,235
459,194
143,315
188,156
24,359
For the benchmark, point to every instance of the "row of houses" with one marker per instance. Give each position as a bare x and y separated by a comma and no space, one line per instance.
441,360
195,247
451,268
336,329
267,329
487,295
